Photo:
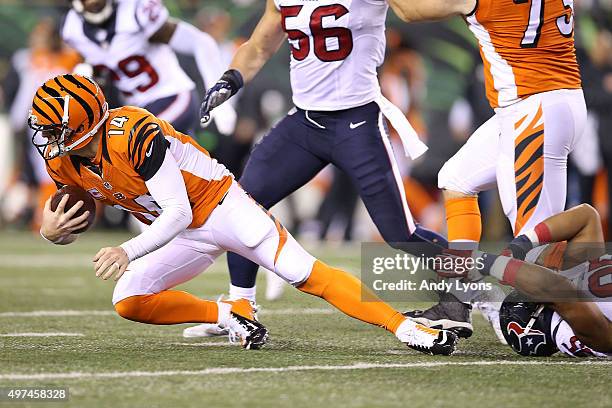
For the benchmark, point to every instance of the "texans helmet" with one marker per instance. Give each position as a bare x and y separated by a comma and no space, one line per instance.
97,12
526,326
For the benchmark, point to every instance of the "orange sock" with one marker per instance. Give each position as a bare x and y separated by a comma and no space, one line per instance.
347,294
168,307
463,219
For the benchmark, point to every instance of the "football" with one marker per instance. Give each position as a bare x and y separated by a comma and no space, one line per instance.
76,194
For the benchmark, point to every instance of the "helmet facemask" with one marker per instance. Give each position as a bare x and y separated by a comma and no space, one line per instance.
56,140
50,140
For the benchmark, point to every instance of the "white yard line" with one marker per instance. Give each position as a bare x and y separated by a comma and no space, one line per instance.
239,370
69,313
208,344
52,334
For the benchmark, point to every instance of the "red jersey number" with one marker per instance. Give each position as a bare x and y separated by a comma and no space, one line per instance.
132,67
600,278
320,34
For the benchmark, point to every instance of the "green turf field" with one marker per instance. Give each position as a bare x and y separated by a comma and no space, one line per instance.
315,356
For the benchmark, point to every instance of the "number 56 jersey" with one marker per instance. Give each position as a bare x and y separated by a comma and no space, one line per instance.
132,149
143,71
336,47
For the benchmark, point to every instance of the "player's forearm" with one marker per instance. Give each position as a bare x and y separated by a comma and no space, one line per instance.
167,188
538,283
589,324
265,40
251,57
580,225
427,10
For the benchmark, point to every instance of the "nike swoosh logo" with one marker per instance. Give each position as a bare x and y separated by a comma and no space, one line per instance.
148,153
356,125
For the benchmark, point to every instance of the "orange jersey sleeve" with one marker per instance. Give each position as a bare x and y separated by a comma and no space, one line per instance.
527,47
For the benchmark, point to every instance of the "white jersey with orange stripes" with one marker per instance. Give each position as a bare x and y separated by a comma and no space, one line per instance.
131,151
527,47
143,71
336,47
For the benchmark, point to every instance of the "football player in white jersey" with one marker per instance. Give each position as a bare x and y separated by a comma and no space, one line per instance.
134,42
564,284
336,47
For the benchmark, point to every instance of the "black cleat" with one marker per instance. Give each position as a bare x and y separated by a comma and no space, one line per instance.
448,314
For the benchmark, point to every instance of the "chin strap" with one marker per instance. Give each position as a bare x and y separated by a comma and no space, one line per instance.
90,133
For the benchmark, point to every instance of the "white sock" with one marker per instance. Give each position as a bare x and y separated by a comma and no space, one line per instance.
533,237
236,292
223,313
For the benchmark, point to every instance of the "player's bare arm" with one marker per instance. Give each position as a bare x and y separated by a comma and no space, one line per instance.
579,226
424,10
58,226
265,40
250,57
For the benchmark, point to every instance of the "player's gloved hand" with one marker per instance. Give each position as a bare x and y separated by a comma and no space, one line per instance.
57,225
230,83
451,263
519,247
111,261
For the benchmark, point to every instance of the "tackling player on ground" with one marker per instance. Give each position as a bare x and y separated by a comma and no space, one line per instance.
566,284
130,159
134,43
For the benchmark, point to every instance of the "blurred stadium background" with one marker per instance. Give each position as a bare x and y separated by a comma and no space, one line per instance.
432,71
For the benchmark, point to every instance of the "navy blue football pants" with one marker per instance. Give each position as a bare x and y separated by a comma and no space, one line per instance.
355,141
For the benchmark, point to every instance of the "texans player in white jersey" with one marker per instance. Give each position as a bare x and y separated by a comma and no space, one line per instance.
564,284
336,47
134,43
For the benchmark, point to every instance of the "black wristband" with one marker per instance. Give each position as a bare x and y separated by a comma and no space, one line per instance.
520,246
234,78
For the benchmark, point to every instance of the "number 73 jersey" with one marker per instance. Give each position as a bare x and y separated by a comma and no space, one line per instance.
132,148
527,47
336,46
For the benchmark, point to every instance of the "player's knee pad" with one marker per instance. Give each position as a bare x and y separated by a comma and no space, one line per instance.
318,280
293,264
131,308
449,178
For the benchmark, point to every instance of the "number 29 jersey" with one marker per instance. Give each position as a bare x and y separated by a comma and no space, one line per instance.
143,71
336,47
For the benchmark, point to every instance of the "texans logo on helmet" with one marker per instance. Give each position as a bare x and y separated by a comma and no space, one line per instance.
526,341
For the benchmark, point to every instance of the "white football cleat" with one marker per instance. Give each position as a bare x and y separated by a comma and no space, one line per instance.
275,286
426,340
205,330
243,325
489,304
